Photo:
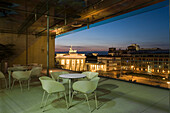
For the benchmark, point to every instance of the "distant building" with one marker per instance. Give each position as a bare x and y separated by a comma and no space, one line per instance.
114,52
95,66
111,63
148,63
153,61
92,64
150,49
71,61
133,47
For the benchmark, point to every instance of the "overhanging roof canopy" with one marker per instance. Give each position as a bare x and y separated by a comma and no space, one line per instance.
67,16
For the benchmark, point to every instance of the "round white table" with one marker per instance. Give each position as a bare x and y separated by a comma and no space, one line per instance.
71,76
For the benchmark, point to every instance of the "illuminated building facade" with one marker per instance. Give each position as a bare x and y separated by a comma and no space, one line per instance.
141,60
111,63
71,61
95,66
147,63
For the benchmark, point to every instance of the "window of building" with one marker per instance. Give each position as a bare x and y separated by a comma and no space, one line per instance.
67,62
78,61
82,61
62,62
73,62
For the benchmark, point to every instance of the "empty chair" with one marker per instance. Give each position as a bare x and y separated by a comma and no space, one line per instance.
55,76
3,77
51,86
21,76
86,87
90,75
36,71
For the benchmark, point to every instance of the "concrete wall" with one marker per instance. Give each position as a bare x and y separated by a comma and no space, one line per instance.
37,52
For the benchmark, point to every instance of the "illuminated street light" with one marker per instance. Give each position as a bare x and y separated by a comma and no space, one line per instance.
168,84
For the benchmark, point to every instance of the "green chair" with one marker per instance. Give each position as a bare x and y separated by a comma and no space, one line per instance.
90,75
21,76
86,87
51,86
55,76
2,76
36,71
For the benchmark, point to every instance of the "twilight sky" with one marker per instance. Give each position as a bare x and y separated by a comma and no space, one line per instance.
150,29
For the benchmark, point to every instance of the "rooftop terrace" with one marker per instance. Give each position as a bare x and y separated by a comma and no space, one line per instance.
113,97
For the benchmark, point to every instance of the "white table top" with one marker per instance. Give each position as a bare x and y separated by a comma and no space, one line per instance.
75,75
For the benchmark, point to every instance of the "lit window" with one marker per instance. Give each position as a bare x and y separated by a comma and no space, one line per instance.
101,66
73,62
67,61
62,62
152,70
82,61
163,71
78,61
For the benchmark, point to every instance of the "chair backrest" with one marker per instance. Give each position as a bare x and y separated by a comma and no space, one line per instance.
50,85
21,75
95,82
55,75
36,71
90,75
86,86
1,75
18,68
33,64
15,65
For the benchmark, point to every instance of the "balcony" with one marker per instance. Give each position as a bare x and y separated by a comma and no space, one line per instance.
114,96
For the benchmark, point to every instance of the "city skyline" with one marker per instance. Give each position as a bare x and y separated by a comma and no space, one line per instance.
149,30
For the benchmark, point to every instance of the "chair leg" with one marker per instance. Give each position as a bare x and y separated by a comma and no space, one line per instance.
13,83
87,101
96,100
72,98
20,85
66,100
46,102
41,106
29,84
